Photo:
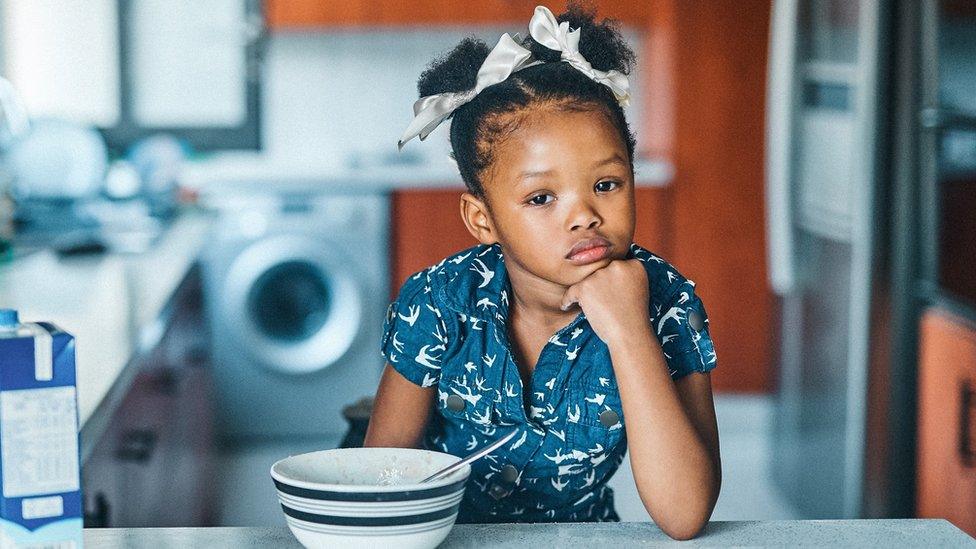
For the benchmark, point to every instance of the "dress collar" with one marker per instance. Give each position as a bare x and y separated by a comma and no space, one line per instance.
477,284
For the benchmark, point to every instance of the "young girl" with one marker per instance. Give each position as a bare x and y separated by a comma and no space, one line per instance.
556,325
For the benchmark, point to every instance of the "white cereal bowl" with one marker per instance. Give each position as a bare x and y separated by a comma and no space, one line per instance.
369,497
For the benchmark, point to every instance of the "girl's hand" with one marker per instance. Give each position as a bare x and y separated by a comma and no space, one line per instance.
614,300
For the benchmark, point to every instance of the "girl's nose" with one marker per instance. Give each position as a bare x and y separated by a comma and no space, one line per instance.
584,217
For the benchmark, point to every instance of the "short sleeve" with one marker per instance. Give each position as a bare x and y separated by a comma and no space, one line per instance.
682,329
415,336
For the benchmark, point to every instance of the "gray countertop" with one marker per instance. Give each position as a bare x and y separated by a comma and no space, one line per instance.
834,533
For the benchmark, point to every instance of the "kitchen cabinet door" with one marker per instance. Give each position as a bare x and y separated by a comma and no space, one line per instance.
290,14
653,229
426,227
153,467
101,487
441,12
629,12
635,13
140,457
947,420
188,453
705,89
130,471
126,467
293,14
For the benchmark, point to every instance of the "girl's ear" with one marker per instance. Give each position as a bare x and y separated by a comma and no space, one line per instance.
477,219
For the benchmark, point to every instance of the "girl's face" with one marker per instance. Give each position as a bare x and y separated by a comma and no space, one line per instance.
560,195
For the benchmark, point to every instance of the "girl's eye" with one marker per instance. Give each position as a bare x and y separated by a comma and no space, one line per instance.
540,199
606,186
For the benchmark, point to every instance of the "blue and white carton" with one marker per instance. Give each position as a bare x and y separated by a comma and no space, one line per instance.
41,505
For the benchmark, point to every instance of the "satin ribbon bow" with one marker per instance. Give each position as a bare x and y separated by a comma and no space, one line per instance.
557,36
508,57
505,58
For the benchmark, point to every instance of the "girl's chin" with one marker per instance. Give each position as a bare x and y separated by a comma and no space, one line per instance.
567,273
579,272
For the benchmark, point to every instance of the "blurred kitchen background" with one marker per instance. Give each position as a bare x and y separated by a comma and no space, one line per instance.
208,195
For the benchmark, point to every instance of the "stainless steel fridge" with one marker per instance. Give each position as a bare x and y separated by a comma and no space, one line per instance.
822,166
860,134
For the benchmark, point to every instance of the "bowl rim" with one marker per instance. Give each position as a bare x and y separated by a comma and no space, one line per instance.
457,477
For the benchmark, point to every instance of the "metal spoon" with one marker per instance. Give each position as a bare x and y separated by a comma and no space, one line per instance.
469,458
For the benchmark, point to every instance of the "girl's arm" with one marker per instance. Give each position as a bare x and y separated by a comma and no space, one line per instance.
671,434
671,430
400,412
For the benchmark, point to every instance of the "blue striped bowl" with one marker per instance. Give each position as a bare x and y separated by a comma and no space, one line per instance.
369,497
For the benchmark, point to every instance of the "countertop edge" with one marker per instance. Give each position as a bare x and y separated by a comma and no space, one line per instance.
874,532
240,173
115,305
168,263
97,421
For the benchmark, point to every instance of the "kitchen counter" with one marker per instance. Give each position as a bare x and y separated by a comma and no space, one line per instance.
246,171
113,304
834,533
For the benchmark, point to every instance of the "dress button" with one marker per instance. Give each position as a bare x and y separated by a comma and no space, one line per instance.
455,403
498,491
696,321
609,418
509,473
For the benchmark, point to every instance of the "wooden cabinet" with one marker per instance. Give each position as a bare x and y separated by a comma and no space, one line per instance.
947,420
147,461
705,89
427,226
294,14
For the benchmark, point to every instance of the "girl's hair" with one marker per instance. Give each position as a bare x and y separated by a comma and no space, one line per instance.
479,124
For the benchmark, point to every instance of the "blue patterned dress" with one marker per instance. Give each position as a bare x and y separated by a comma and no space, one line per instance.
448,329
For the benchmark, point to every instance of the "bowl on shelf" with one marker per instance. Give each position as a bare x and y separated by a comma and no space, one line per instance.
369,497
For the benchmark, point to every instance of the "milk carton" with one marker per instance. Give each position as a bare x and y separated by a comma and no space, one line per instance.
40,505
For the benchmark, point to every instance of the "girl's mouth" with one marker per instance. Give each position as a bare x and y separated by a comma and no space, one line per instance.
590,250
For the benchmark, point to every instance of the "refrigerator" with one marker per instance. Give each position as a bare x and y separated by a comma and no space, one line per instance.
870,106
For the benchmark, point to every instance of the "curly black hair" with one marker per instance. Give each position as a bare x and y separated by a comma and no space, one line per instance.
499,108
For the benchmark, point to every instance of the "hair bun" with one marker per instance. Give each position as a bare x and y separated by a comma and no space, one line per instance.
456,71
601,44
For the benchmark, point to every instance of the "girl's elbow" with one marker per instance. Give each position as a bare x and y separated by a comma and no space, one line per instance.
684,531
682,514
685,519
682,528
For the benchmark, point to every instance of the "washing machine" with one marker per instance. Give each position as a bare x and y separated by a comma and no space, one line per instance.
296,290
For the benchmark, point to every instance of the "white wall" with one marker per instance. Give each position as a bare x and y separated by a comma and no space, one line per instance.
331,94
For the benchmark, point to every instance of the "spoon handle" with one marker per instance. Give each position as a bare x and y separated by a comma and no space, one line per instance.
469,458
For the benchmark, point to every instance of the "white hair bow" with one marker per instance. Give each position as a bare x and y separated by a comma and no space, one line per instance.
508,57
557,36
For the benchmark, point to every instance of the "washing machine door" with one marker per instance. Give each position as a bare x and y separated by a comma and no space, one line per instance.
293,303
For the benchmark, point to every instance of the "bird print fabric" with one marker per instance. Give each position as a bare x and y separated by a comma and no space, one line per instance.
447,329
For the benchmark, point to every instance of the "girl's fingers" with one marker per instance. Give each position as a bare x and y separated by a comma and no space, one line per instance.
569,298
